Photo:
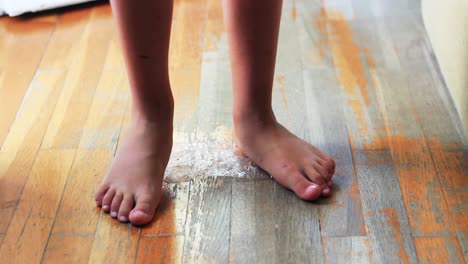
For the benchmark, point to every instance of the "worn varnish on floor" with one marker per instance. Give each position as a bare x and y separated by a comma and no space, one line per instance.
356,79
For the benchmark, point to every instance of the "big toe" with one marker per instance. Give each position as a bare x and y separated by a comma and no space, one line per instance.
315,176
144,209
305,189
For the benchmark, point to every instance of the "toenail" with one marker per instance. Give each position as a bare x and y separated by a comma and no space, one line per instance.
105,207
123,218
114,214
314,187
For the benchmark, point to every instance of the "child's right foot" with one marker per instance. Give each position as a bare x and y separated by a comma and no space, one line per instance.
132,188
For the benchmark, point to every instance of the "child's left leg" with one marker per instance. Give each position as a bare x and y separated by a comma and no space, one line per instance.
253,28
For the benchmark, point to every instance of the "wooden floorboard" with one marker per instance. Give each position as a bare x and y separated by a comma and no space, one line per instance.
341,215
162,241
22,46
426,207
438,250
357,80
347,250
35,213
23,142
66,125
383,209
26,133
207,230
68,248
114,242
252,225
298,229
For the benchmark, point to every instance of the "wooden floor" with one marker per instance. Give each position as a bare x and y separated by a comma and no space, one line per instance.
356,78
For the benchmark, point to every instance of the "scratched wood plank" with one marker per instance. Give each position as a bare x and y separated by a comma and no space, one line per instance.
207,230
100,134
109,103
125,124
403,38
62,47
430,95
214,108
74,105
161,249
384,8
106,112
451,166
57,57
96,147
341,215
114,242
387,224
438,250
432,103
298,229
346,250
288,86
78,213
163,239
270,225
435,112
28,232
427,209
68,249
97,11
22,143
312,34
253,222
208,134
171,215
185,55
22,46
66,125
99,139
353,63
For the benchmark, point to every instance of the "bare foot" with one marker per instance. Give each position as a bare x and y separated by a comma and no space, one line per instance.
132,188
292,162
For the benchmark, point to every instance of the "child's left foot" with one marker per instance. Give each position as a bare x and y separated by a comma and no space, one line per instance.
292,162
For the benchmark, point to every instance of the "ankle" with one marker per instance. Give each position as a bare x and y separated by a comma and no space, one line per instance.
253,119
153,112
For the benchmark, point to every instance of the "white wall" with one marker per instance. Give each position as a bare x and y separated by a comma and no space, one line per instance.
447,26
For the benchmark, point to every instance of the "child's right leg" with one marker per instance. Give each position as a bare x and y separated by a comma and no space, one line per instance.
131,190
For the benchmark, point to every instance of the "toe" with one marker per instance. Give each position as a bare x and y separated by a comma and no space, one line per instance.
322,171
114,209
305,189
314,176
99,196
325,160
144,209
329,165
126,207
107,200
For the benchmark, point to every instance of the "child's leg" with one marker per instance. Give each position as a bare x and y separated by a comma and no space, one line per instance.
131,190
253,28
